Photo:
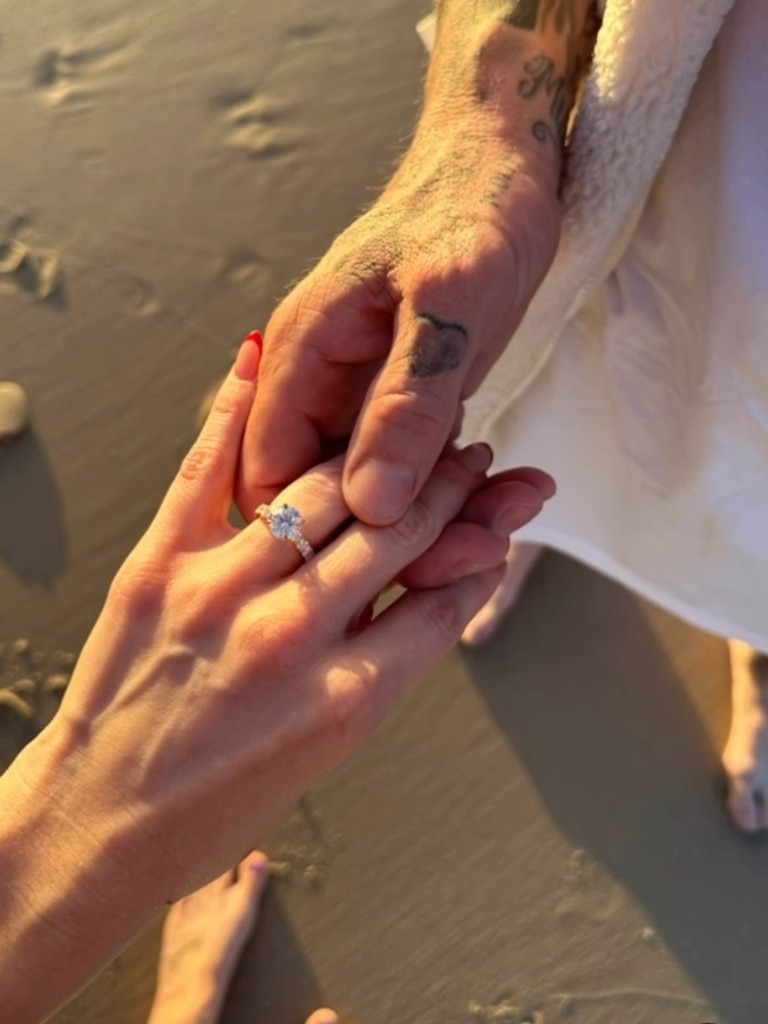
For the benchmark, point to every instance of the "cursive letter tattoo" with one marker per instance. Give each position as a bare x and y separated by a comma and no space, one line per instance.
542,78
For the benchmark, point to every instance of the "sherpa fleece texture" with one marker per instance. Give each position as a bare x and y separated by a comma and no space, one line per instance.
646,61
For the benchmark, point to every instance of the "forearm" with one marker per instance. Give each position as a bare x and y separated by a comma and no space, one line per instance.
68,895
513,67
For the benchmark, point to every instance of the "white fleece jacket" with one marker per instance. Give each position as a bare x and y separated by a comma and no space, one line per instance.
647,58
639,376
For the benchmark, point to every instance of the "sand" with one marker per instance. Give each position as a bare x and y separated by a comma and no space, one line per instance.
536,835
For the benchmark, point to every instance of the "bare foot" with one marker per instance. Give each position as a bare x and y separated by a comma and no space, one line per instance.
520,561
203,937
745,757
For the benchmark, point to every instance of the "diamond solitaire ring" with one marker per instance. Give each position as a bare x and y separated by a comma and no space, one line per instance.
286,523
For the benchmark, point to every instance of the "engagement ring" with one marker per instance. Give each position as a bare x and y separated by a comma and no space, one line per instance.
286,523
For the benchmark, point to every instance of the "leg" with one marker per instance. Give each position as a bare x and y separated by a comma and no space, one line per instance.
203,936
745,758
520,561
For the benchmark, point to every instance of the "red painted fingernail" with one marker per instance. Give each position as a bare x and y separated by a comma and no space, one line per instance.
256,338
249,357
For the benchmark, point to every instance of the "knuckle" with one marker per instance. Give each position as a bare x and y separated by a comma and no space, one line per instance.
226,402
139,588
344,712
417,528
293,631
202,461
325,483
444,618
260,638
452,277
424,412
454,473
350,701
280,638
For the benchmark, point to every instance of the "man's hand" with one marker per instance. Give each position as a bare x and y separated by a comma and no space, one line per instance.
407,312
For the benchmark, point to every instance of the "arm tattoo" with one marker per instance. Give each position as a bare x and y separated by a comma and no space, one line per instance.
541,77
535,14
439,348
501,181
553,39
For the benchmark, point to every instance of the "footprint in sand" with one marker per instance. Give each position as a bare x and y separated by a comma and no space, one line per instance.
28,268
256,125
138,295
309,31
587,890
70,75
504,1010
306,861
244,268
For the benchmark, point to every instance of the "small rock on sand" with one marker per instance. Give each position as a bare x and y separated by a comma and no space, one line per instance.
14,410
64,659
12,704
56,683
20,647
23,687
17,726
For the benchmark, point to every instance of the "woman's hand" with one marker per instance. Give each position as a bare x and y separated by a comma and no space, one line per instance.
223,677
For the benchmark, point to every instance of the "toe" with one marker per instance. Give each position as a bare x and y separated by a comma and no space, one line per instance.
742,805
252,876
324,1016
760,798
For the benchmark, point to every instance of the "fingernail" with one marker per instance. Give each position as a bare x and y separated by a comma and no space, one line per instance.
464,569
509,519
476,458
249,357
381,489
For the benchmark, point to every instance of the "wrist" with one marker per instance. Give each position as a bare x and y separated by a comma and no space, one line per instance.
515,82
488,142
68,899
507,175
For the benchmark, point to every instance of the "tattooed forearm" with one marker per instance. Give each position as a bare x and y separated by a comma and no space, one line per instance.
501,182
439,346
518,60
542,80
529,15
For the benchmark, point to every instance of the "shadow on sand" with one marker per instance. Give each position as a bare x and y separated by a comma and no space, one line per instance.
618,753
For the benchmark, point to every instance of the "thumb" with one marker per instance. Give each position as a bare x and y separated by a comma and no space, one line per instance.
408,414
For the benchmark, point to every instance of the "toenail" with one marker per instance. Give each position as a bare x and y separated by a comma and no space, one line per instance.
259,867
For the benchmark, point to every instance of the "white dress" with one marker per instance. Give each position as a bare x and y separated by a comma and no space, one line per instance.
651,410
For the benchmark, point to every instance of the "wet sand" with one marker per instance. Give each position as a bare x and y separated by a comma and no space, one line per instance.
536,835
